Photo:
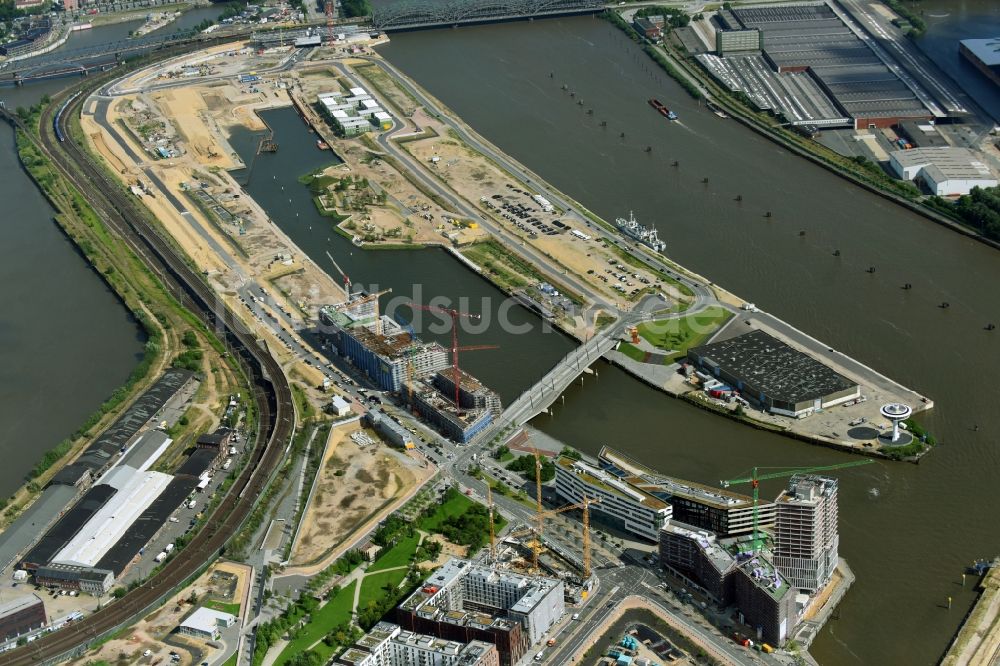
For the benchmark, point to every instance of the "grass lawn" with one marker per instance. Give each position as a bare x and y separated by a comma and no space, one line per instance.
679,335
336,611
232,660
507,457
454,506
509,269
232,609
632,351
397,556
372,586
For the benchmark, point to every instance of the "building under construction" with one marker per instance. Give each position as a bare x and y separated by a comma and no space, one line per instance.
379,347
396,360
434,399
640,499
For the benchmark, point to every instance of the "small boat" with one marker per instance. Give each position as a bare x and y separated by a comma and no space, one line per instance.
661,109
714,108
322,145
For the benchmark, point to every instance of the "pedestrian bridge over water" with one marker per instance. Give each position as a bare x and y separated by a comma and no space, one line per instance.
537,399
419,14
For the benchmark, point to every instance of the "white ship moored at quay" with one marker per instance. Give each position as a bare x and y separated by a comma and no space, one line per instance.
645,235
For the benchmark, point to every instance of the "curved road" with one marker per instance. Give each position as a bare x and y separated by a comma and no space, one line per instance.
271,392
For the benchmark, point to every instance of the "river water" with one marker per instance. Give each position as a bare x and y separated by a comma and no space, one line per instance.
66,341
423,276
907,530
907,541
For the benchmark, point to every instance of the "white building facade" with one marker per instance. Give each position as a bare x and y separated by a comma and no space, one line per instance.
633,510
806,531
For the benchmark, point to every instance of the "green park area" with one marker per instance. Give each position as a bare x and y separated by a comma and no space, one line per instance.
223,607
325,622
399,555
379,584
316,629
675,336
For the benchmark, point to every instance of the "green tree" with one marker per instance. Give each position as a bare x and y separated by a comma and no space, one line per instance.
353,8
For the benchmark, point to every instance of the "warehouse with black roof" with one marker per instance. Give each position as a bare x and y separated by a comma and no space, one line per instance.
773,375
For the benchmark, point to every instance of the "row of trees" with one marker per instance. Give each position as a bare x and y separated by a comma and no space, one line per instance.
526,466
981,209
675,18
268,633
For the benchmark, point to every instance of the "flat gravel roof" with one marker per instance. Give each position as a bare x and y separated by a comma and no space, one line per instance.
770,366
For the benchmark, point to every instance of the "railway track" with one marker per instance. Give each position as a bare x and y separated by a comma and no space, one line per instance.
272,393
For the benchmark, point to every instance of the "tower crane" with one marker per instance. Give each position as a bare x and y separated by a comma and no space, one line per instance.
539,513
347,280
585,507
755,478
454,315
328,10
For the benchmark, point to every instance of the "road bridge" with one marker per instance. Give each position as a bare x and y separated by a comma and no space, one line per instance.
100,57
421,14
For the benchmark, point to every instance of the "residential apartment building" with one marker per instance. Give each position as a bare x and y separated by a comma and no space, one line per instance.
389,644
806,536
464,601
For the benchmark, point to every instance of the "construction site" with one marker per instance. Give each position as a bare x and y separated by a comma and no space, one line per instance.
425,375
359,481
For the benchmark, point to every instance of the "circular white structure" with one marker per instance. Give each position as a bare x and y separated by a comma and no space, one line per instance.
896,412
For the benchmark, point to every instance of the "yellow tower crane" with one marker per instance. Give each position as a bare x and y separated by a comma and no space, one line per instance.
539,513
536,546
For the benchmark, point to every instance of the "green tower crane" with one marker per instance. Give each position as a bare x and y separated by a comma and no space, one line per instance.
756,478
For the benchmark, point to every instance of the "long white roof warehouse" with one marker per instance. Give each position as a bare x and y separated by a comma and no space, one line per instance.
136,491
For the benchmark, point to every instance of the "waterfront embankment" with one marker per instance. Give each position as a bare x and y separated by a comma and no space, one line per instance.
978,640
698,83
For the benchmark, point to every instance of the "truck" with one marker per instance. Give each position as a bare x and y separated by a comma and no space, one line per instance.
162,556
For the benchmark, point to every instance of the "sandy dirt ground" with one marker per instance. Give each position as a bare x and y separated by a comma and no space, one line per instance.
187,110
479,180
448,551
150,632
197,119
353,483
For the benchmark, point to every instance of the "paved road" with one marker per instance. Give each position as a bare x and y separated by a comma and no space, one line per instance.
618,583
452,458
